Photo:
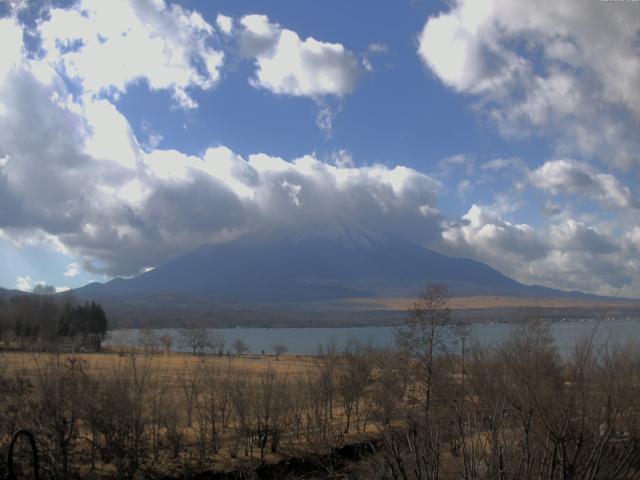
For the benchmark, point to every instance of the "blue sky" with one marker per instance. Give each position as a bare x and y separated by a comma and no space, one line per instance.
491,129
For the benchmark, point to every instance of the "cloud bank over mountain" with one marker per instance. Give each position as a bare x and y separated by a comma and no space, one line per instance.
74,174
566,72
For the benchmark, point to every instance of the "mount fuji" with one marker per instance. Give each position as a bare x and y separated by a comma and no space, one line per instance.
328,262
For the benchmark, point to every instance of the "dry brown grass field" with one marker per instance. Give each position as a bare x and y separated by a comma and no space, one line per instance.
480,302
176,398
171,365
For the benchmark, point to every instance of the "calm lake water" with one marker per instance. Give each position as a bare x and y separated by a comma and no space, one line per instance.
307,340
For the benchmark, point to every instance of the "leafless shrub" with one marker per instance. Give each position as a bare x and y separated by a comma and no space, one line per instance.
59,384
196,338
16,390
240,346
280,349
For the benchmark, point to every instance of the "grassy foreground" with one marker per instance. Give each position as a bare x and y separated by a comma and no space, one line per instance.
150,414
516,411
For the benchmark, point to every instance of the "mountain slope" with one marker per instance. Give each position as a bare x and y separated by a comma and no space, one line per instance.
333,262
6,294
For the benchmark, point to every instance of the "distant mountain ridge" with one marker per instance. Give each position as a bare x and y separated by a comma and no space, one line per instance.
333,261
6,294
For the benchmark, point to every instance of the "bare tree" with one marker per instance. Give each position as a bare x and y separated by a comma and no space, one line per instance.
149,341
59,384
413,446
240,346
353,379
271,403
16,388
242,401
196,338
424,336
190,384
280,349
44,289
324,394
218,342
117,416
167,342
214,401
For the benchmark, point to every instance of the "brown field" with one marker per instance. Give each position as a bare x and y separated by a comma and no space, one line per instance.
169,380
500,412
171,365
464,303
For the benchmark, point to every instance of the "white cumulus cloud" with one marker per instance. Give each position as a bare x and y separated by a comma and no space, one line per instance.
120,208
73,269
566,254
288,65
569,176
108,45
224,23
567,69
24,284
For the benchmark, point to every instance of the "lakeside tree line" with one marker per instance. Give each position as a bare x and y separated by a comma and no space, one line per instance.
517,411
43,320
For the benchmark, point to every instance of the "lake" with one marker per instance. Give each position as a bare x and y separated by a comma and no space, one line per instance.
305,341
